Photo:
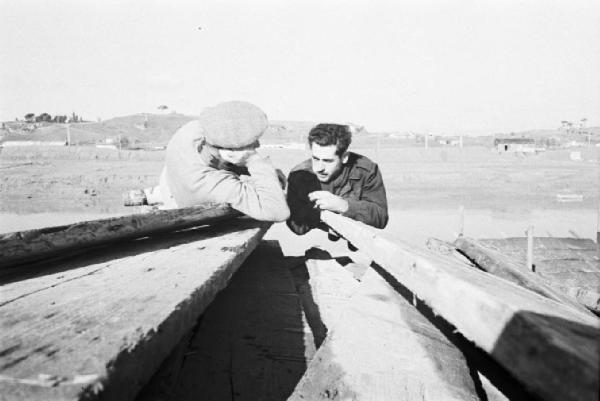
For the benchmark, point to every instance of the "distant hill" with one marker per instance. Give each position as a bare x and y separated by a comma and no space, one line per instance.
138,130
154,130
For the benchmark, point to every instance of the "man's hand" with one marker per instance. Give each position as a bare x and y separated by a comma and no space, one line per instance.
325,200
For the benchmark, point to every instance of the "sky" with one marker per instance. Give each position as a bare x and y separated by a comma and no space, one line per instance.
438,66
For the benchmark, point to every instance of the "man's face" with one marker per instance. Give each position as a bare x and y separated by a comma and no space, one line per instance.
237,156
326,164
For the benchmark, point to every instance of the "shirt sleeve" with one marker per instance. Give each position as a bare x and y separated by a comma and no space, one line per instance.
192,182
303,216
259,197
371,208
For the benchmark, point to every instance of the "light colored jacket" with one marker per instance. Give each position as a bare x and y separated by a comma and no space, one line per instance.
192,175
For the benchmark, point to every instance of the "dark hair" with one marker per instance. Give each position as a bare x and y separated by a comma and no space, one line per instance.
331,134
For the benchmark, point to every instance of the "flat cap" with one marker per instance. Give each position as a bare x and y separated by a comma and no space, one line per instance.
233,124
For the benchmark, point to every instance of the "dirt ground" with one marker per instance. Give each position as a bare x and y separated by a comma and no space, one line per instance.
501,194
86,179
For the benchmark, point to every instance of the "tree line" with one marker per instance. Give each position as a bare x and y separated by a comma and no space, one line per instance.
45,117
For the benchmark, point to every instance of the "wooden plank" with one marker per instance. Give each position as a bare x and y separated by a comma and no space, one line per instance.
569,265
330,286
506,268
249,343
550,348
100,325
382,348
38,244
546,243
542,246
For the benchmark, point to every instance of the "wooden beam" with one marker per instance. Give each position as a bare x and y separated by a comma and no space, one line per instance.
330,285
381,348
568,265
508,269
100,325
38,244
249,344
550,348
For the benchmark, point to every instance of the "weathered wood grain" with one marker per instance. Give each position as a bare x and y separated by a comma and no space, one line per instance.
545,249
569,265
249,343
382,348
330,286
25,246
503,266
549,347
99,327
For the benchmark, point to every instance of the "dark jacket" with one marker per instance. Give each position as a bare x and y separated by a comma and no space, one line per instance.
359,182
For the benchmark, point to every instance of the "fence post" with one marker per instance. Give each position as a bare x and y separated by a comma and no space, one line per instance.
530,249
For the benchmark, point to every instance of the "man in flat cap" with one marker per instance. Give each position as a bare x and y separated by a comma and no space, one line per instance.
337,180
214,160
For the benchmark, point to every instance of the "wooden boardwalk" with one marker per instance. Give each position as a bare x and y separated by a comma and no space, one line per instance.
551,348
165,317
99,325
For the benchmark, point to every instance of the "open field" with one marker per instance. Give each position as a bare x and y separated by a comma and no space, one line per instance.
432,183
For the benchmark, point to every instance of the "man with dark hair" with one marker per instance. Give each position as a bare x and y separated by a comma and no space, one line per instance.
337,180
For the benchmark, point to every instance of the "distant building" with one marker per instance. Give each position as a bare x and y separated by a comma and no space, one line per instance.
526,145
448,141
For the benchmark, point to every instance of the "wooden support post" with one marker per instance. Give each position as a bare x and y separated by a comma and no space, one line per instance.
68,134
550,348
31,245
530,249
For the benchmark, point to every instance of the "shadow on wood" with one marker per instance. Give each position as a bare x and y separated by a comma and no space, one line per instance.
481,305
250,343
100,329
477,359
